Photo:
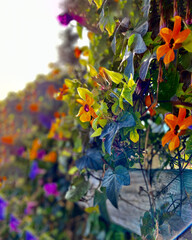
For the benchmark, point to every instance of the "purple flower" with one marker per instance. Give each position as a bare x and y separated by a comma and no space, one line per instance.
51,189
30,207
45,120
20,151
41,153
189,21
3,205
65,19
14,223
30,236
79,19
35,170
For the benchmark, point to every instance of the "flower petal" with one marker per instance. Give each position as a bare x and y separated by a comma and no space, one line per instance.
166,34
167,137
85,117
171,120
181,116
169,57
186,123
81,111
177,27
89,100
182,36
92,112
162,50
174,143
80,101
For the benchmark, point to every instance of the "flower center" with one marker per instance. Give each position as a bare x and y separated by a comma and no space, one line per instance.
86,108
176,129
171,43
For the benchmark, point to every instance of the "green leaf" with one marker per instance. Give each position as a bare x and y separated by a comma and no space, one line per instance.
187,43
97,132
180,91
115,108
100,199
131,41
92,70
108,134
72,170
92,209
114,76
83,91
139,125
113,181
98,3
134,136
121,102
186,61
189,146
110,26
102,122
90,1
77,190
128,90
95,122
79,30
147,39
103,107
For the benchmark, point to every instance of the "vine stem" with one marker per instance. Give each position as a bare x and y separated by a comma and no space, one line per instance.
147,184
181,182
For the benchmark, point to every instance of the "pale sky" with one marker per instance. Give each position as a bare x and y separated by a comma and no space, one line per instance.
29,34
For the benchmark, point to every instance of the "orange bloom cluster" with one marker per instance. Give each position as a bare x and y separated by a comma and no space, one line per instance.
148,103
86,112
62,91
177,125
77,52
19,107
173,40
7,140
34,107
2,180
35,147
51,90
54,127
50,157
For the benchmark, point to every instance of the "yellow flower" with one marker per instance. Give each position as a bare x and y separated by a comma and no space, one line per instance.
86,111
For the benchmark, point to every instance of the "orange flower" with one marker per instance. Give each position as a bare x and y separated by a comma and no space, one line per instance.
7,140
177,125
51,90
86,111
19,107
90,35
50,157
148,102
34,107
63,91
173,40
35,147
77,52
2,180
